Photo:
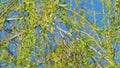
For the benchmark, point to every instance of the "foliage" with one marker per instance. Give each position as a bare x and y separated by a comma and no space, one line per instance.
59,33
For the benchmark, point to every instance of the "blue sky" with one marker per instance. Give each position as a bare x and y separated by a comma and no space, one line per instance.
97,8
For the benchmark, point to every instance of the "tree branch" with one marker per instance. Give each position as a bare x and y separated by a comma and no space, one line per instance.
8,8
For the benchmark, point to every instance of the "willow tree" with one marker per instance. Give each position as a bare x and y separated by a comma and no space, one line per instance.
59,33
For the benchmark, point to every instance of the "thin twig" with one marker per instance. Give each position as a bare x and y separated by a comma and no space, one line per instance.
96,62
64,31
14,18
101,54
89,22
8,8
